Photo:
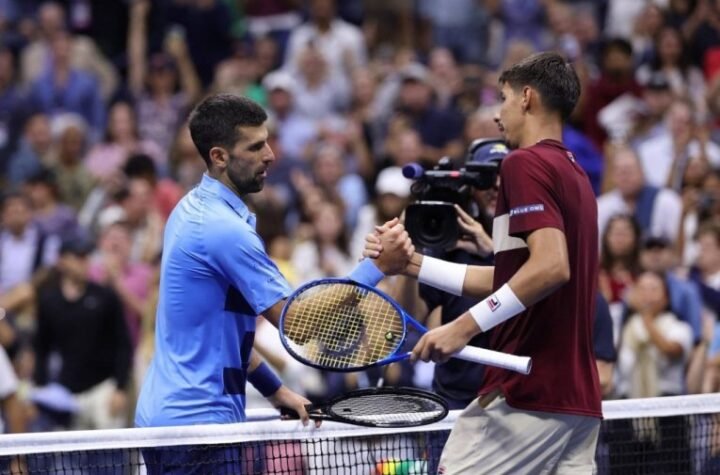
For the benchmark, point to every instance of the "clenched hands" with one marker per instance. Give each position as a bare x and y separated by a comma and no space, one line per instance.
390,246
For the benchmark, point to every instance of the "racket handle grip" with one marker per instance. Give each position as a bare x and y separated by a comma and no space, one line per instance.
313,412
520,364
287,413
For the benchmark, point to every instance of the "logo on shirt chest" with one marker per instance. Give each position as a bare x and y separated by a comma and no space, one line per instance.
536,208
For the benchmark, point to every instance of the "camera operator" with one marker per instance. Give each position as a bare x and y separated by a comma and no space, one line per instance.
457,380
468,243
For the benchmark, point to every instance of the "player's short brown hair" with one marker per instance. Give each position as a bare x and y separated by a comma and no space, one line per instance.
549,74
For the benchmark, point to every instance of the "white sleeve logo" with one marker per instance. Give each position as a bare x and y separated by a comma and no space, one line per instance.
527,209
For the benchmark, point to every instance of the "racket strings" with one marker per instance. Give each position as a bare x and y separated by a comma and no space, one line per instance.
389,409
342,326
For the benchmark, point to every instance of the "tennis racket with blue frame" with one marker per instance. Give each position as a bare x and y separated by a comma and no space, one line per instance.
342,325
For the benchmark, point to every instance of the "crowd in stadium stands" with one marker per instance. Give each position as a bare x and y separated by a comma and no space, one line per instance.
95,152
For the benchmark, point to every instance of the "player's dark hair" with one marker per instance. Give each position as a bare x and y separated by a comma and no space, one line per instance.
215,122
551,76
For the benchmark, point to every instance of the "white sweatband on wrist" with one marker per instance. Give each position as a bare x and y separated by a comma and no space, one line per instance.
498,307
443,275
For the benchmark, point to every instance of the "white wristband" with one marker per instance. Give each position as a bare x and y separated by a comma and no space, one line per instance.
500,306
443,275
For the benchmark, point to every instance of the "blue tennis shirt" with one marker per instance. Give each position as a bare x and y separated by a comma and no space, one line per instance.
215,279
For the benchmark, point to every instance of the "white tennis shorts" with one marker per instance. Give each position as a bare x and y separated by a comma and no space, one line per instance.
491,437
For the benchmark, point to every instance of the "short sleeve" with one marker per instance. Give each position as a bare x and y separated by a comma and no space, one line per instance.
239,253
528,187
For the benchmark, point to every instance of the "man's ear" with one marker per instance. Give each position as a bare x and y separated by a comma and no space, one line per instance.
218,158
527,96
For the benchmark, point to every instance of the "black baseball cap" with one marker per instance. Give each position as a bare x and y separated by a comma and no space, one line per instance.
657,82
656,242
487,151
81,247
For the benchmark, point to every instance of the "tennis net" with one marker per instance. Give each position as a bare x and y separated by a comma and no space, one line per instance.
674,435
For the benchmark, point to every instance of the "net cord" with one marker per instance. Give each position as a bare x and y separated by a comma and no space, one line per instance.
73,441
262,427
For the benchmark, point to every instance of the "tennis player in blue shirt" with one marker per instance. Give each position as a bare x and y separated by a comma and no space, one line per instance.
215,279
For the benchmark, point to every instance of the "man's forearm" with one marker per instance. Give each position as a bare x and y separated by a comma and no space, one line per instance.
478,281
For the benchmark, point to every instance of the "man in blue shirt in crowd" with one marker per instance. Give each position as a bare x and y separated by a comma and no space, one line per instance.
215,279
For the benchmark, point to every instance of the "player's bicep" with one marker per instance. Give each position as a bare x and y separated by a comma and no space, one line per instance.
546,268
548,248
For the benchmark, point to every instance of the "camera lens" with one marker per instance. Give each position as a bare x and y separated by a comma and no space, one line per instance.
432,225
435,222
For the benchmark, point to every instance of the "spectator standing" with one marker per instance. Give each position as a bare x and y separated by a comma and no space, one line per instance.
61,87
83,53
161,107
206,25
339,42
83,324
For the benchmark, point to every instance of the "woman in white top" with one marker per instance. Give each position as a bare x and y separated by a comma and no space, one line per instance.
655,344
325,253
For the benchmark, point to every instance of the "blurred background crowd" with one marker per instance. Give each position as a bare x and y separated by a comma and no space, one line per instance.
95,152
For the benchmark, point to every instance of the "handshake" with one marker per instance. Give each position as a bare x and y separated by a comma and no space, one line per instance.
391,248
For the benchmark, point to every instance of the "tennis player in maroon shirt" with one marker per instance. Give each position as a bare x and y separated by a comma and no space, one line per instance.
539,297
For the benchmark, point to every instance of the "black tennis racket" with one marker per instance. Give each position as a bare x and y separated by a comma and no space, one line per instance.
379,407
341,325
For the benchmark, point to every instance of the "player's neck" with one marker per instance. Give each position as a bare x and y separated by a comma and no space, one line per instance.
541,129
225,180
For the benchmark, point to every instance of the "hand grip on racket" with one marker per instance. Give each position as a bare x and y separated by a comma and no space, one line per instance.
342,325
379,407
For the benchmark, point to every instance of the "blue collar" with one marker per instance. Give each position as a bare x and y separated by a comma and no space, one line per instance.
214,187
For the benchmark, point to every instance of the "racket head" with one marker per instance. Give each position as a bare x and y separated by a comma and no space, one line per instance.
387,407
341,325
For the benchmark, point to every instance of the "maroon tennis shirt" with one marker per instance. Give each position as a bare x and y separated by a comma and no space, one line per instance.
544,187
